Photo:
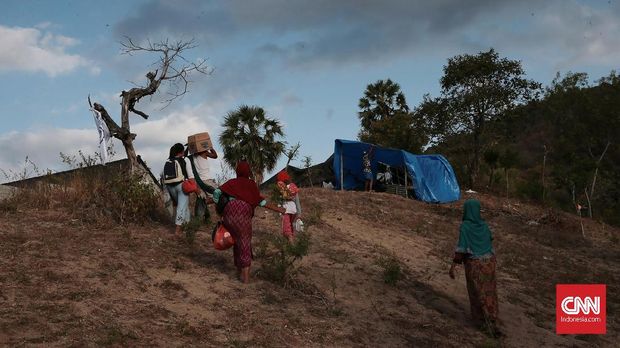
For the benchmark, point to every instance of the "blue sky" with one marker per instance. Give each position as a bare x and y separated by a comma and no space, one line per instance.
306,63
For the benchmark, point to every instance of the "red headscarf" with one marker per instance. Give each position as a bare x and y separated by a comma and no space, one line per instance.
283,176
243,187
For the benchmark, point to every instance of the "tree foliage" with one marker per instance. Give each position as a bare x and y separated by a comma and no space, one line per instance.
475,89
250,135
562,149
386,120
584,125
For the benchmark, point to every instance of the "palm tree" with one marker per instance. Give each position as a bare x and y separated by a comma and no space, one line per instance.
385,118
381,100
249,135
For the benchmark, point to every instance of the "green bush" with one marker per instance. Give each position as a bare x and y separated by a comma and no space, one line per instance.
530,189
392,271
281,257
275,195
191,228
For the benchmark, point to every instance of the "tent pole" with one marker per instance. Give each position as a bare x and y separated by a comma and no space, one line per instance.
341,170
406,193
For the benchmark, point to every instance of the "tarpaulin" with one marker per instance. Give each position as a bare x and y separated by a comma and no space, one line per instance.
432,177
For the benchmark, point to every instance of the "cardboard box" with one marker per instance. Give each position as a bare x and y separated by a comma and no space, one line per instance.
199,142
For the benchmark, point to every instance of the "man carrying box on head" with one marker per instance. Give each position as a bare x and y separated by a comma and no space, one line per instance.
200,150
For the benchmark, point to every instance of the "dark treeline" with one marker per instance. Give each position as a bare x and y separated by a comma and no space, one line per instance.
502,133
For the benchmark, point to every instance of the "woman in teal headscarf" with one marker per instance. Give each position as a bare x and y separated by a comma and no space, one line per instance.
475,250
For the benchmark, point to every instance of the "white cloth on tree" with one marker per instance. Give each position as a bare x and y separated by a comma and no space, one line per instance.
104,135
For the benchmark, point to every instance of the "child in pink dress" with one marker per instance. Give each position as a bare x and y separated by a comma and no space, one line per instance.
289,192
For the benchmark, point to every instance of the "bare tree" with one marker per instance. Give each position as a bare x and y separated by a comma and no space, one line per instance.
597,165
291,154
172,69
307,166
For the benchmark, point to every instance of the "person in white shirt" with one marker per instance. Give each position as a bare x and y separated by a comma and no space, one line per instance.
200,168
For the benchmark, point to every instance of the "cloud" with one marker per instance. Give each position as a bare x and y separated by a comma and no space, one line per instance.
320,33
42,148
155,137
563,36
290,99
250,43
33,50
304,32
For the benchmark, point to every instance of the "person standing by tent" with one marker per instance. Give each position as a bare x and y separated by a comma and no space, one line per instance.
243,197
200,169
175,172
367,169
290,197
475,250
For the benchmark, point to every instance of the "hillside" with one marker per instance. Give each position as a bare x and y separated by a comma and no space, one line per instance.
66,282
560,149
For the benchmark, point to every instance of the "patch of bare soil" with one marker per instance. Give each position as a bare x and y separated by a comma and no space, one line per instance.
65,283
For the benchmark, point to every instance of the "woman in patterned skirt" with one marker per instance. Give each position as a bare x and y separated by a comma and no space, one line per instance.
238,213
475,250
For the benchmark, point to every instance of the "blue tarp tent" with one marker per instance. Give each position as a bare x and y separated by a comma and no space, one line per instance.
432,176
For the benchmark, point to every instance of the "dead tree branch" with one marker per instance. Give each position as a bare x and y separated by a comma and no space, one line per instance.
598,163
172,68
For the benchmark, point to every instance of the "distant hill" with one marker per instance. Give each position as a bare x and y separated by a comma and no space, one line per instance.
550,150
307,177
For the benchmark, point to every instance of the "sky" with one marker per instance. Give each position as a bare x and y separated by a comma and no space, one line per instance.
306,63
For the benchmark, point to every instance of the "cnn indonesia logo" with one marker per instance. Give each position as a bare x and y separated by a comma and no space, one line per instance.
581,309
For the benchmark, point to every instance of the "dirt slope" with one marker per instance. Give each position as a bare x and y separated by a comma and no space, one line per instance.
65,283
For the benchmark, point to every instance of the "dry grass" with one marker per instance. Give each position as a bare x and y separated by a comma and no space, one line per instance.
94,199
68,281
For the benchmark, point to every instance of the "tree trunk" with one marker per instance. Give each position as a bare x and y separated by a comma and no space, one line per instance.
131,155
598,162
506,176
258,177
475,163
121,133
309,177
491,177
585,190
543,173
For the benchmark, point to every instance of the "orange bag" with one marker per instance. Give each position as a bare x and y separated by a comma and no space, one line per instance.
222,239
189,186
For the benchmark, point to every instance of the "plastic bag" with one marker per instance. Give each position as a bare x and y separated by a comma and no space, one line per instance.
299,226
189,186
222,239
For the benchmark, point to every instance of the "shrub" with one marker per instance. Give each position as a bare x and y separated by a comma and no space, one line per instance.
281,257
125,198
312,215
530,188
191,228
9,205
122,198
392,271
275,195
89,194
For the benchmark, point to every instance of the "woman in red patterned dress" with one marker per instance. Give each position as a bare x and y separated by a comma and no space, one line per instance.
238,213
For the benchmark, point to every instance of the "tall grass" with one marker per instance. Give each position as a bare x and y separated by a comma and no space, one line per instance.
95,196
